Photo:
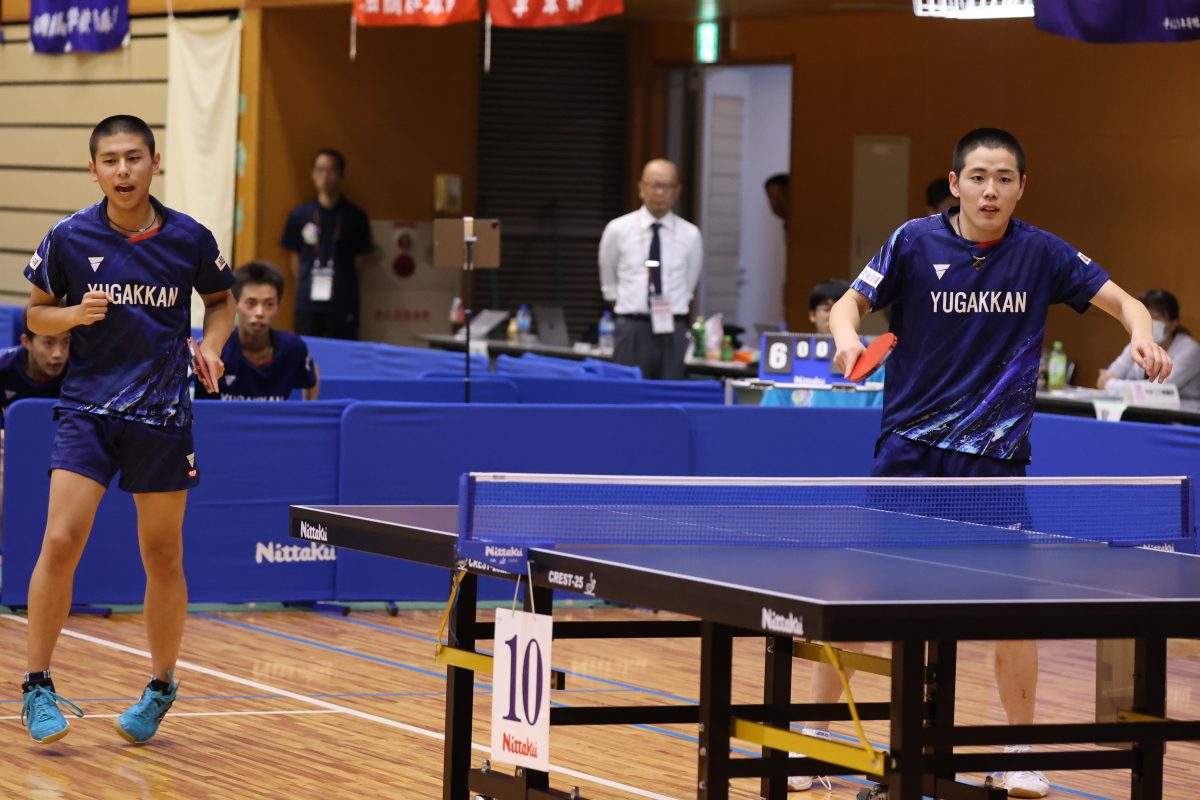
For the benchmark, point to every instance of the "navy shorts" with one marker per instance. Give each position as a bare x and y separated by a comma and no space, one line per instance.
150,458
994,506
897,457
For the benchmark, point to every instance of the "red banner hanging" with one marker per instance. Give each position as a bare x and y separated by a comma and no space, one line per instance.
415,12
544,13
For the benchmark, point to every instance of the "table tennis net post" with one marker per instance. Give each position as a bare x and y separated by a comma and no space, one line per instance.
527,510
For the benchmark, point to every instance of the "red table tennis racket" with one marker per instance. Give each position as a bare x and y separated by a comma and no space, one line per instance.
873,357
201,368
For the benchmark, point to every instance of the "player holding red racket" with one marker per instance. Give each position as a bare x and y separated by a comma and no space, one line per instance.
969,291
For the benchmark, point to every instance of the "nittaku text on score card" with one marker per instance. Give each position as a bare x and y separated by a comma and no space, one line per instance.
521,689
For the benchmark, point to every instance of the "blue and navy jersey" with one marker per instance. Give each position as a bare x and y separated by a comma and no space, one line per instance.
291,367
15,383
134,364
970,322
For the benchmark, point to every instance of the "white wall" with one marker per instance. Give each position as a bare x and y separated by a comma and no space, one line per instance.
760,258
723,123
768,151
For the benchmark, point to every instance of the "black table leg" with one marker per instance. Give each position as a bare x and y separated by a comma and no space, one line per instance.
1149,697
460,696
941,681
777,691
716,682
908,720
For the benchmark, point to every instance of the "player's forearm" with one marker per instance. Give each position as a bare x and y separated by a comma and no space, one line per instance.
52,320
845,319
315,391
218,321
1136,319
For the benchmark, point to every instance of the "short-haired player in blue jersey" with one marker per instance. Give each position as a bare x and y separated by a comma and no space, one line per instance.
34,368
969,290
262,363
119,276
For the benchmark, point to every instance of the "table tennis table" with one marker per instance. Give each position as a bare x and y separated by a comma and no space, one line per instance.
922,599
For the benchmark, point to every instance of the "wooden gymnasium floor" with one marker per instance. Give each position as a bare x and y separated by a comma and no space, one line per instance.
309,706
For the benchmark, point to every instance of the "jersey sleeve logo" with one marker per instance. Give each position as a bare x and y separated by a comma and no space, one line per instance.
95,261
221,262
940,269
35,261
1084,258
871,277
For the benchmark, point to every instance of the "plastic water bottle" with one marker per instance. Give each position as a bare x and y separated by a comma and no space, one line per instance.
524,323
1056,368
513,332
698,345
607,337
727,348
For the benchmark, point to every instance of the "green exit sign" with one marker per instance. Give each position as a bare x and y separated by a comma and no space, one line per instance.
708,41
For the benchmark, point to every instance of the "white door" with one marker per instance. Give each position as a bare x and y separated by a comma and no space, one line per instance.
745,127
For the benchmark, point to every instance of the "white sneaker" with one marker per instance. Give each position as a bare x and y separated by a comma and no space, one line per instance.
1024,783
802,783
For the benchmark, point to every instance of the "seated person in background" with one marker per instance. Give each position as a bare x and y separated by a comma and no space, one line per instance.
822,298
937,196
1176,340
262,363
33,369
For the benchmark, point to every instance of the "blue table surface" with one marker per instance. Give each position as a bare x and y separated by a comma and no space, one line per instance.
873,575
921,575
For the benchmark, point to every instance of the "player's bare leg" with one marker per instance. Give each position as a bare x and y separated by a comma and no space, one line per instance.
73,502
160,537
1017,679
827,684
826,687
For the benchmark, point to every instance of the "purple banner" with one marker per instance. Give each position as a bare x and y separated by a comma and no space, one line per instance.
1118,21
68,26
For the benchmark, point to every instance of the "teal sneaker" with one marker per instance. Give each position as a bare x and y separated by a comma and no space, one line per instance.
40,714
141,721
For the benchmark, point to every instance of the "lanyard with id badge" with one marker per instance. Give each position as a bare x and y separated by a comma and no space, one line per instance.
661,319
321,287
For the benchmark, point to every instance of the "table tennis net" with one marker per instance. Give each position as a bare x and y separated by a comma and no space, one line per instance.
543,510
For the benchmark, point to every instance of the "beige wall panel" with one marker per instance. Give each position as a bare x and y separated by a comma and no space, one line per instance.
82,104
52,147
14,289
25,228
144,59
52,191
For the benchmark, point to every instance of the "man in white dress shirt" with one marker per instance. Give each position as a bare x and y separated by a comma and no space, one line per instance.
649,264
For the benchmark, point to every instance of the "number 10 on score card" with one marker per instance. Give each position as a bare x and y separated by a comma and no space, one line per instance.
521,689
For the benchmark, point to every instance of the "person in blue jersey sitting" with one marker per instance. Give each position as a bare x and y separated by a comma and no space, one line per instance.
34,368
969,291
262,363
119,275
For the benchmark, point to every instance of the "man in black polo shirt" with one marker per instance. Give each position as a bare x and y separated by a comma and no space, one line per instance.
329,238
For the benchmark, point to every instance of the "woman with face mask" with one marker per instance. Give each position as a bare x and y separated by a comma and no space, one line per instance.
1175,339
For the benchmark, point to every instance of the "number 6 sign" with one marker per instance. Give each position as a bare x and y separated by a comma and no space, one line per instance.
521,689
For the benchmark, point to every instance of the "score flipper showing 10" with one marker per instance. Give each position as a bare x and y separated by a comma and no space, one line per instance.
521,689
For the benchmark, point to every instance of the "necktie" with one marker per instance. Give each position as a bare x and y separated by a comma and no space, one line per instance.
655,255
